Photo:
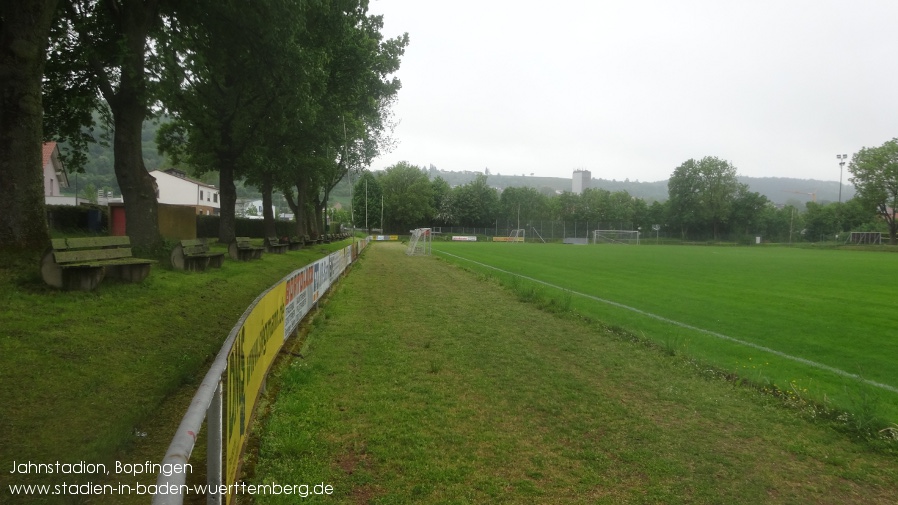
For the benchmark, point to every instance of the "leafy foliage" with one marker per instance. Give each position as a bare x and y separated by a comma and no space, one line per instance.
875,174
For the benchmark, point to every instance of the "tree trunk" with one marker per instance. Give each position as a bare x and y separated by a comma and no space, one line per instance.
297,215
302,192
138,187
227,223
893,228
129,109
24,35
267,214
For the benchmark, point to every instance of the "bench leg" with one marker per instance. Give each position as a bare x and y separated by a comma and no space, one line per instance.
50,271
70,279
129,273
197,263
178,261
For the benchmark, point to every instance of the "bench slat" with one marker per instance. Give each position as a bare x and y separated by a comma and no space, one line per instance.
82,256
94,242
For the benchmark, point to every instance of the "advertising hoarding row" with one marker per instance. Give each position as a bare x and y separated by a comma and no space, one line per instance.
271,320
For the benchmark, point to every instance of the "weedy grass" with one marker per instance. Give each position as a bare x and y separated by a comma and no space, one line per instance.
829,306
106,375
426,384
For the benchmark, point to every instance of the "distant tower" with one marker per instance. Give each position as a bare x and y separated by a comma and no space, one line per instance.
581,181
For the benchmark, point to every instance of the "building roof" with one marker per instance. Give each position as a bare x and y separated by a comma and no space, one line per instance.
49,147
174,172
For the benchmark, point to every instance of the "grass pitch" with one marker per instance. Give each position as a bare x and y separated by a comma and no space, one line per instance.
824,318
422,383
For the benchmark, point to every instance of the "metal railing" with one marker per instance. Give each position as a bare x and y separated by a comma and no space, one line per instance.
208,402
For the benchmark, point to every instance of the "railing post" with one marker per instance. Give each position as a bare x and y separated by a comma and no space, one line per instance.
214,445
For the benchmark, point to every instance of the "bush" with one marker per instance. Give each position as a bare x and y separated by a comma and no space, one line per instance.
82,218
207,227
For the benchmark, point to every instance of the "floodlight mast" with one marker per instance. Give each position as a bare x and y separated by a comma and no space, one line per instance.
841,158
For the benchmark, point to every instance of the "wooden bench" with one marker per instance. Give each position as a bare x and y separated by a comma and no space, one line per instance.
194,254
242,249
82,263
274,245
295,243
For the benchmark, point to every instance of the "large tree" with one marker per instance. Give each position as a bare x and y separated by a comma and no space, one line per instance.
522,205
106,45
236,77
476,203
24,32
875,176
701,195
407,197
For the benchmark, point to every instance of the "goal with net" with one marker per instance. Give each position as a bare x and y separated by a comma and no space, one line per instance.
518,235
629,237
865,237
421,242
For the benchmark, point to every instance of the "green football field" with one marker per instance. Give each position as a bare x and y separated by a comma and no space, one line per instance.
820,323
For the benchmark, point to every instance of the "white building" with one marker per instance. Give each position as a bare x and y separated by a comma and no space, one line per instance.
254,210
55,177
175,188
581,181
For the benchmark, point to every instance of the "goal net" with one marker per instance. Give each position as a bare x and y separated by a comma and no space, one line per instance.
518,235
628,237
421,242
865,237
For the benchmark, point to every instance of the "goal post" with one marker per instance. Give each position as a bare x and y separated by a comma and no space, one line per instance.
420,243
626,237
519,235
865,237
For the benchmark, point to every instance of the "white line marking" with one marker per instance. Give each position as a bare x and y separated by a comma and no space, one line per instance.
721,336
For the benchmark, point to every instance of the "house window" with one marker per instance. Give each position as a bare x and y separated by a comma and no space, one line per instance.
215,197
201,195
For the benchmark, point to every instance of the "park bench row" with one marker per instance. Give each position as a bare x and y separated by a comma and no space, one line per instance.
82,263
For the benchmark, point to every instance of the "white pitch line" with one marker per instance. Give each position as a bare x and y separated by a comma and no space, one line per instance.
721,336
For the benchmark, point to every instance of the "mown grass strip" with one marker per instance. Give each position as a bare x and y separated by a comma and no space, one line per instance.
425,384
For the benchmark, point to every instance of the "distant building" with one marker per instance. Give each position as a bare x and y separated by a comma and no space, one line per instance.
581,181
254,210
173,187
55,177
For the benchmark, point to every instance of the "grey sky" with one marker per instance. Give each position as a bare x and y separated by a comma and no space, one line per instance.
631,89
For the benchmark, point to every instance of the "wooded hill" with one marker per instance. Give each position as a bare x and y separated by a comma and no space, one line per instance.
779,190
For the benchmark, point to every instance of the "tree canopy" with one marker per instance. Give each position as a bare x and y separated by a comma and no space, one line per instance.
702,194
875,175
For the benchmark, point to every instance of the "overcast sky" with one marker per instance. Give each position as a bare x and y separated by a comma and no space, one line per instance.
631,89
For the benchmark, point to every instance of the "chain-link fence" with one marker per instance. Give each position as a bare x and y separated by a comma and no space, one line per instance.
550,231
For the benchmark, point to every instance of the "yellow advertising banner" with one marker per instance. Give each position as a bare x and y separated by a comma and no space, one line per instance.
255,348
508,239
